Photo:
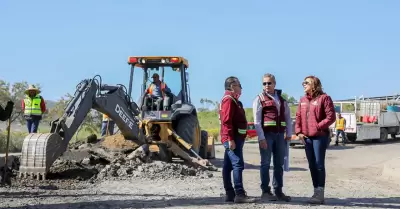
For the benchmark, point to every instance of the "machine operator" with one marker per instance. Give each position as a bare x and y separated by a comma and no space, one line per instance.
160,92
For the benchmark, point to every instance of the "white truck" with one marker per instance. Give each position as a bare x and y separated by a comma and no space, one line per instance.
368,119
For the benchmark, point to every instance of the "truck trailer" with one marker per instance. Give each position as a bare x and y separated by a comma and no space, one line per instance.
370,118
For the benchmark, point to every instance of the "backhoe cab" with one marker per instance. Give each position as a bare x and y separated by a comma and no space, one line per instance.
167,114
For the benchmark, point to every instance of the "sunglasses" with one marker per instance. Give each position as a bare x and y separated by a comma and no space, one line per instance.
267,83
305,83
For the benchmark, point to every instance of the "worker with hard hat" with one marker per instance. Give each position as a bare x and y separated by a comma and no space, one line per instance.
33,107
159,91
233,134
271,120
107,126
340,127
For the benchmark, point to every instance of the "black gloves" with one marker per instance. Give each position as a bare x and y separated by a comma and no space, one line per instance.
5,114
11,103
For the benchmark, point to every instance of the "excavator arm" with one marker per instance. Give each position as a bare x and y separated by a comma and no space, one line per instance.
39,151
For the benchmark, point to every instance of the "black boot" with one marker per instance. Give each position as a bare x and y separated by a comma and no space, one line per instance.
267,195
282,197
243,198
230,196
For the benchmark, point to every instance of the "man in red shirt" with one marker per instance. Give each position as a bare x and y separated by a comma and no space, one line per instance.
33,106
233,133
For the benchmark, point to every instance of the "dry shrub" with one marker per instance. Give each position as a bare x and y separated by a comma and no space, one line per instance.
15,144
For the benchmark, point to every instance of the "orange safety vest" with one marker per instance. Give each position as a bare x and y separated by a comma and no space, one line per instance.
106,118
150,89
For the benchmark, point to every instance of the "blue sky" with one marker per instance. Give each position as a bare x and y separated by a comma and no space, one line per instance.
353,46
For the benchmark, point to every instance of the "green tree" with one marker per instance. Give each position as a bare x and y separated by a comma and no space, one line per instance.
90,124
58,109
291,100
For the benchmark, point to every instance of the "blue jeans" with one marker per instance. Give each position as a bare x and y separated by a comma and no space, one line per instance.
315,151
233,161
343,136
276,147
32,125
104,128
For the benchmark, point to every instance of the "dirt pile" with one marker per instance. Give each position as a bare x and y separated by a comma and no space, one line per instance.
118,141
92,164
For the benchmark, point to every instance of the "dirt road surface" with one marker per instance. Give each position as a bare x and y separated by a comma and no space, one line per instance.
354,180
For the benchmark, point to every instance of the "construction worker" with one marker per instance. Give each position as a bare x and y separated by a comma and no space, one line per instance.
33,106
233,134
107,125
340,127
159,91
271,119
5,113
314,115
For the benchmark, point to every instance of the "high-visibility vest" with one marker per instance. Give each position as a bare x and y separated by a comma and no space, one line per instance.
339,123
150,89
106,118
32,105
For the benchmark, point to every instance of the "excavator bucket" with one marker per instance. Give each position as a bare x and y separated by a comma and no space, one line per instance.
39,151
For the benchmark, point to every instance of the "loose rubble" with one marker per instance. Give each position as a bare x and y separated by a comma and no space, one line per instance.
92,163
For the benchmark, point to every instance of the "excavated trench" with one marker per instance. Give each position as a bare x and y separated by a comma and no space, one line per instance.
85,164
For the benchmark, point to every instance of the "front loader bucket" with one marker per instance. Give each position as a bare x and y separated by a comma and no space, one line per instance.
39,151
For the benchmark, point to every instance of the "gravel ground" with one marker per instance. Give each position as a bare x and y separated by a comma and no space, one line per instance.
354,180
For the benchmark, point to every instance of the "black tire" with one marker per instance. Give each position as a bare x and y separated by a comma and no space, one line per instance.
203,145
393,136
351,138
186,128
384,135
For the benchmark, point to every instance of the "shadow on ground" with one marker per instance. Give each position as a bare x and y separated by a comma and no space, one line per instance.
375,143
46,195
220,162
331,147
339,147
391,202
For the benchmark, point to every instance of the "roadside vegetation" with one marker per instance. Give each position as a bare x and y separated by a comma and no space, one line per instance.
207,113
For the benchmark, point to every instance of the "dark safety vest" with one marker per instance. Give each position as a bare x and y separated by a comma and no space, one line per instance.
272,122
32,105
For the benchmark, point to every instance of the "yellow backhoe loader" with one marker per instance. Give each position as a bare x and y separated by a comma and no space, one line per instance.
170,130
